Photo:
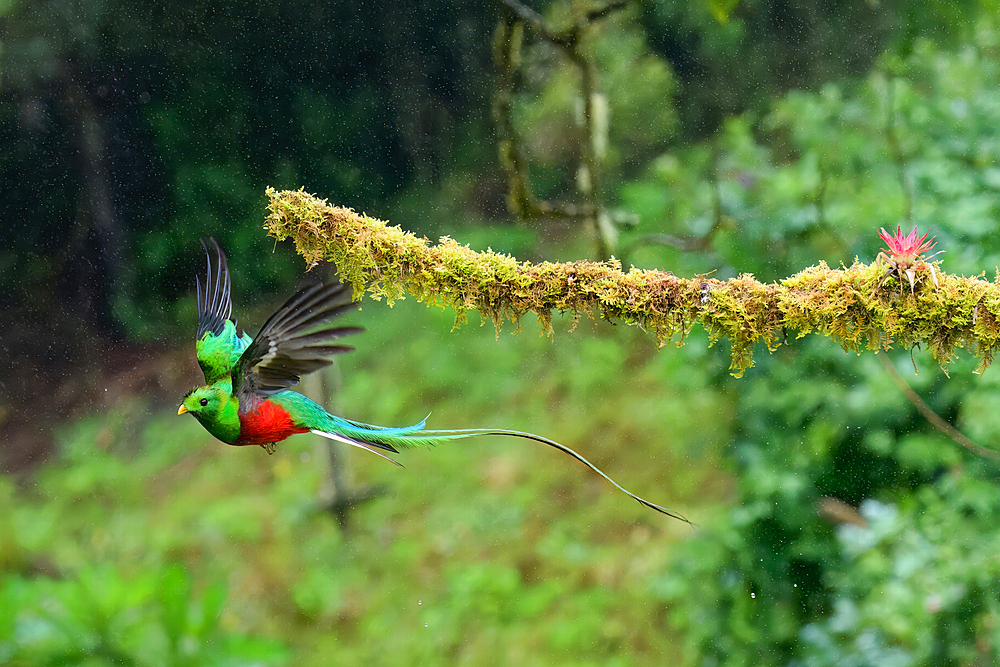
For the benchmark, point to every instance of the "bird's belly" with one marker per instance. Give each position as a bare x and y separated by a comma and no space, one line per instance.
267,423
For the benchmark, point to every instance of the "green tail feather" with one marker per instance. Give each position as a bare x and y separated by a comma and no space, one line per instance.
370,437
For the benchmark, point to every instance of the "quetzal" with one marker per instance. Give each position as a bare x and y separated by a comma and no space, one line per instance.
246,398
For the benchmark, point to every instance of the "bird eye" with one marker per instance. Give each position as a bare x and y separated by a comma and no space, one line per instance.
203,402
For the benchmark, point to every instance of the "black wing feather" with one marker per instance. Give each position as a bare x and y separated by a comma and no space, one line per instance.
293,342
214,302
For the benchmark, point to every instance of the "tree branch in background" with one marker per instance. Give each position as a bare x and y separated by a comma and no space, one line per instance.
934,418
860,306
507,58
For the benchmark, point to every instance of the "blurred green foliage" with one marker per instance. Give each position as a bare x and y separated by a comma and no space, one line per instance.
491,552
637,84
125,133
145,543
912,579
736,56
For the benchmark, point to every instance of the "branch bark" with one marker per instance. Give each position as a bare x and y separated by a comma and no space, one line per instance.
857,306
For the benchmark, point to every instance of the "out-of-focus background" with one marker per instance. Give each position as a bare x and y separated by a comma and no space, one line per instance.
835,525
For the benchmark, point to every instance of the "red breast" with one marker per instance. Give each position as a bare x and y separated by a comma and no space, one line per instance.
268,422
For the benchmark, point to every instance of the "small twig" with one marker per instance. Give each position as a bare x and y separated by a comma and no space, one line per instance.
601,12
526,13
931,416
684,243
687,243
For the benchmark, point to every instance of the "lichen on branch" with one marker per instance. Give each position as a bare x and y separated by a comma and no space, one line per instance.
856,306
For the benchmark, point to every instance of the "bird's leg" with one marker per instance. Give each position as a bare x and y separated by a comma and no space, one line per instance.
269,447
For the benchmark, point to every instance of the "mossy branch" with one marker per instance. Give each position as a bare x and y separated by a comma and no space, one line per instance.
857,306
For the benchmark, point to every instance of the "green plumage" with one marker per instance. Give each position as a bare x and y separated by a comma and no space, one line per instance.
217,354
215,407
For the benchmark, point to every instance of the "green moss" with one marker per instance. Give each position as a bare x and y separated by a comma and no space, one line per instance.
860,307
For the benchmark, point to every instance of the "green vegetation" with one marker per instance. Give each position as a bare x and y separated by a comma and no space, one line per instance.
859,536
836,526
489,550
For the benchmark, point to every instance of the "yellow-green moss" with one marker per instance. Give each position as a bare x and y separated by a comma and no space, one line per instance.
858,306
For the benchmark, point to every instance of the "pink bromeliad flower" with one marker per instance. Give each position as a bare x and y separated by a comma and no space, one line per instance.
905,255
906,248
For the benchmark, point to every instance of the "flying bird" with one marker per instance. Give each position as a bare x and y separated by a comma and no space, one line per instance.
247,397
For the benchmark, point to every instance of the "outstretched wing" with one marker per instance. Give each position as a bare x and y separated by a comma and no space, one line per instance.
214,302
293,342
217,345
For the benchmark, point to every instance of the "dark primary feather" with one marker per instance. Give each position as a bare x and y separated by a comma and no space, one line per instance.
293,342
214,302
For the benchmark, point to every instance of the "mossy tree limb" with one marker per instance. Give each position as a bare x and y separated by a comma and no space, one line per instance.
857,306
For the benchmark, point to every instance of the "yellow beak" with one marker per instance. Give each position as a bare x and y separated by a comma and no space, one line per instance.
181,410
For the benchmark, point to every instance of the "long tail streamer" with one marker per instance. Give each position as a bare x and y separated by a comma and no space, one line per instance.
369,437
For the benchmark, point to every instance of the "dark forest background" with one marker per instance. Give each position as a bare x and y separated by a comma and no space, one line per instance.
836,526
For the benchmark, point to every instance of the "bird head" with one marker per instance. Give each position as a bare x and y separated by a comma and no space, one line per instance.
203,401
216,408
